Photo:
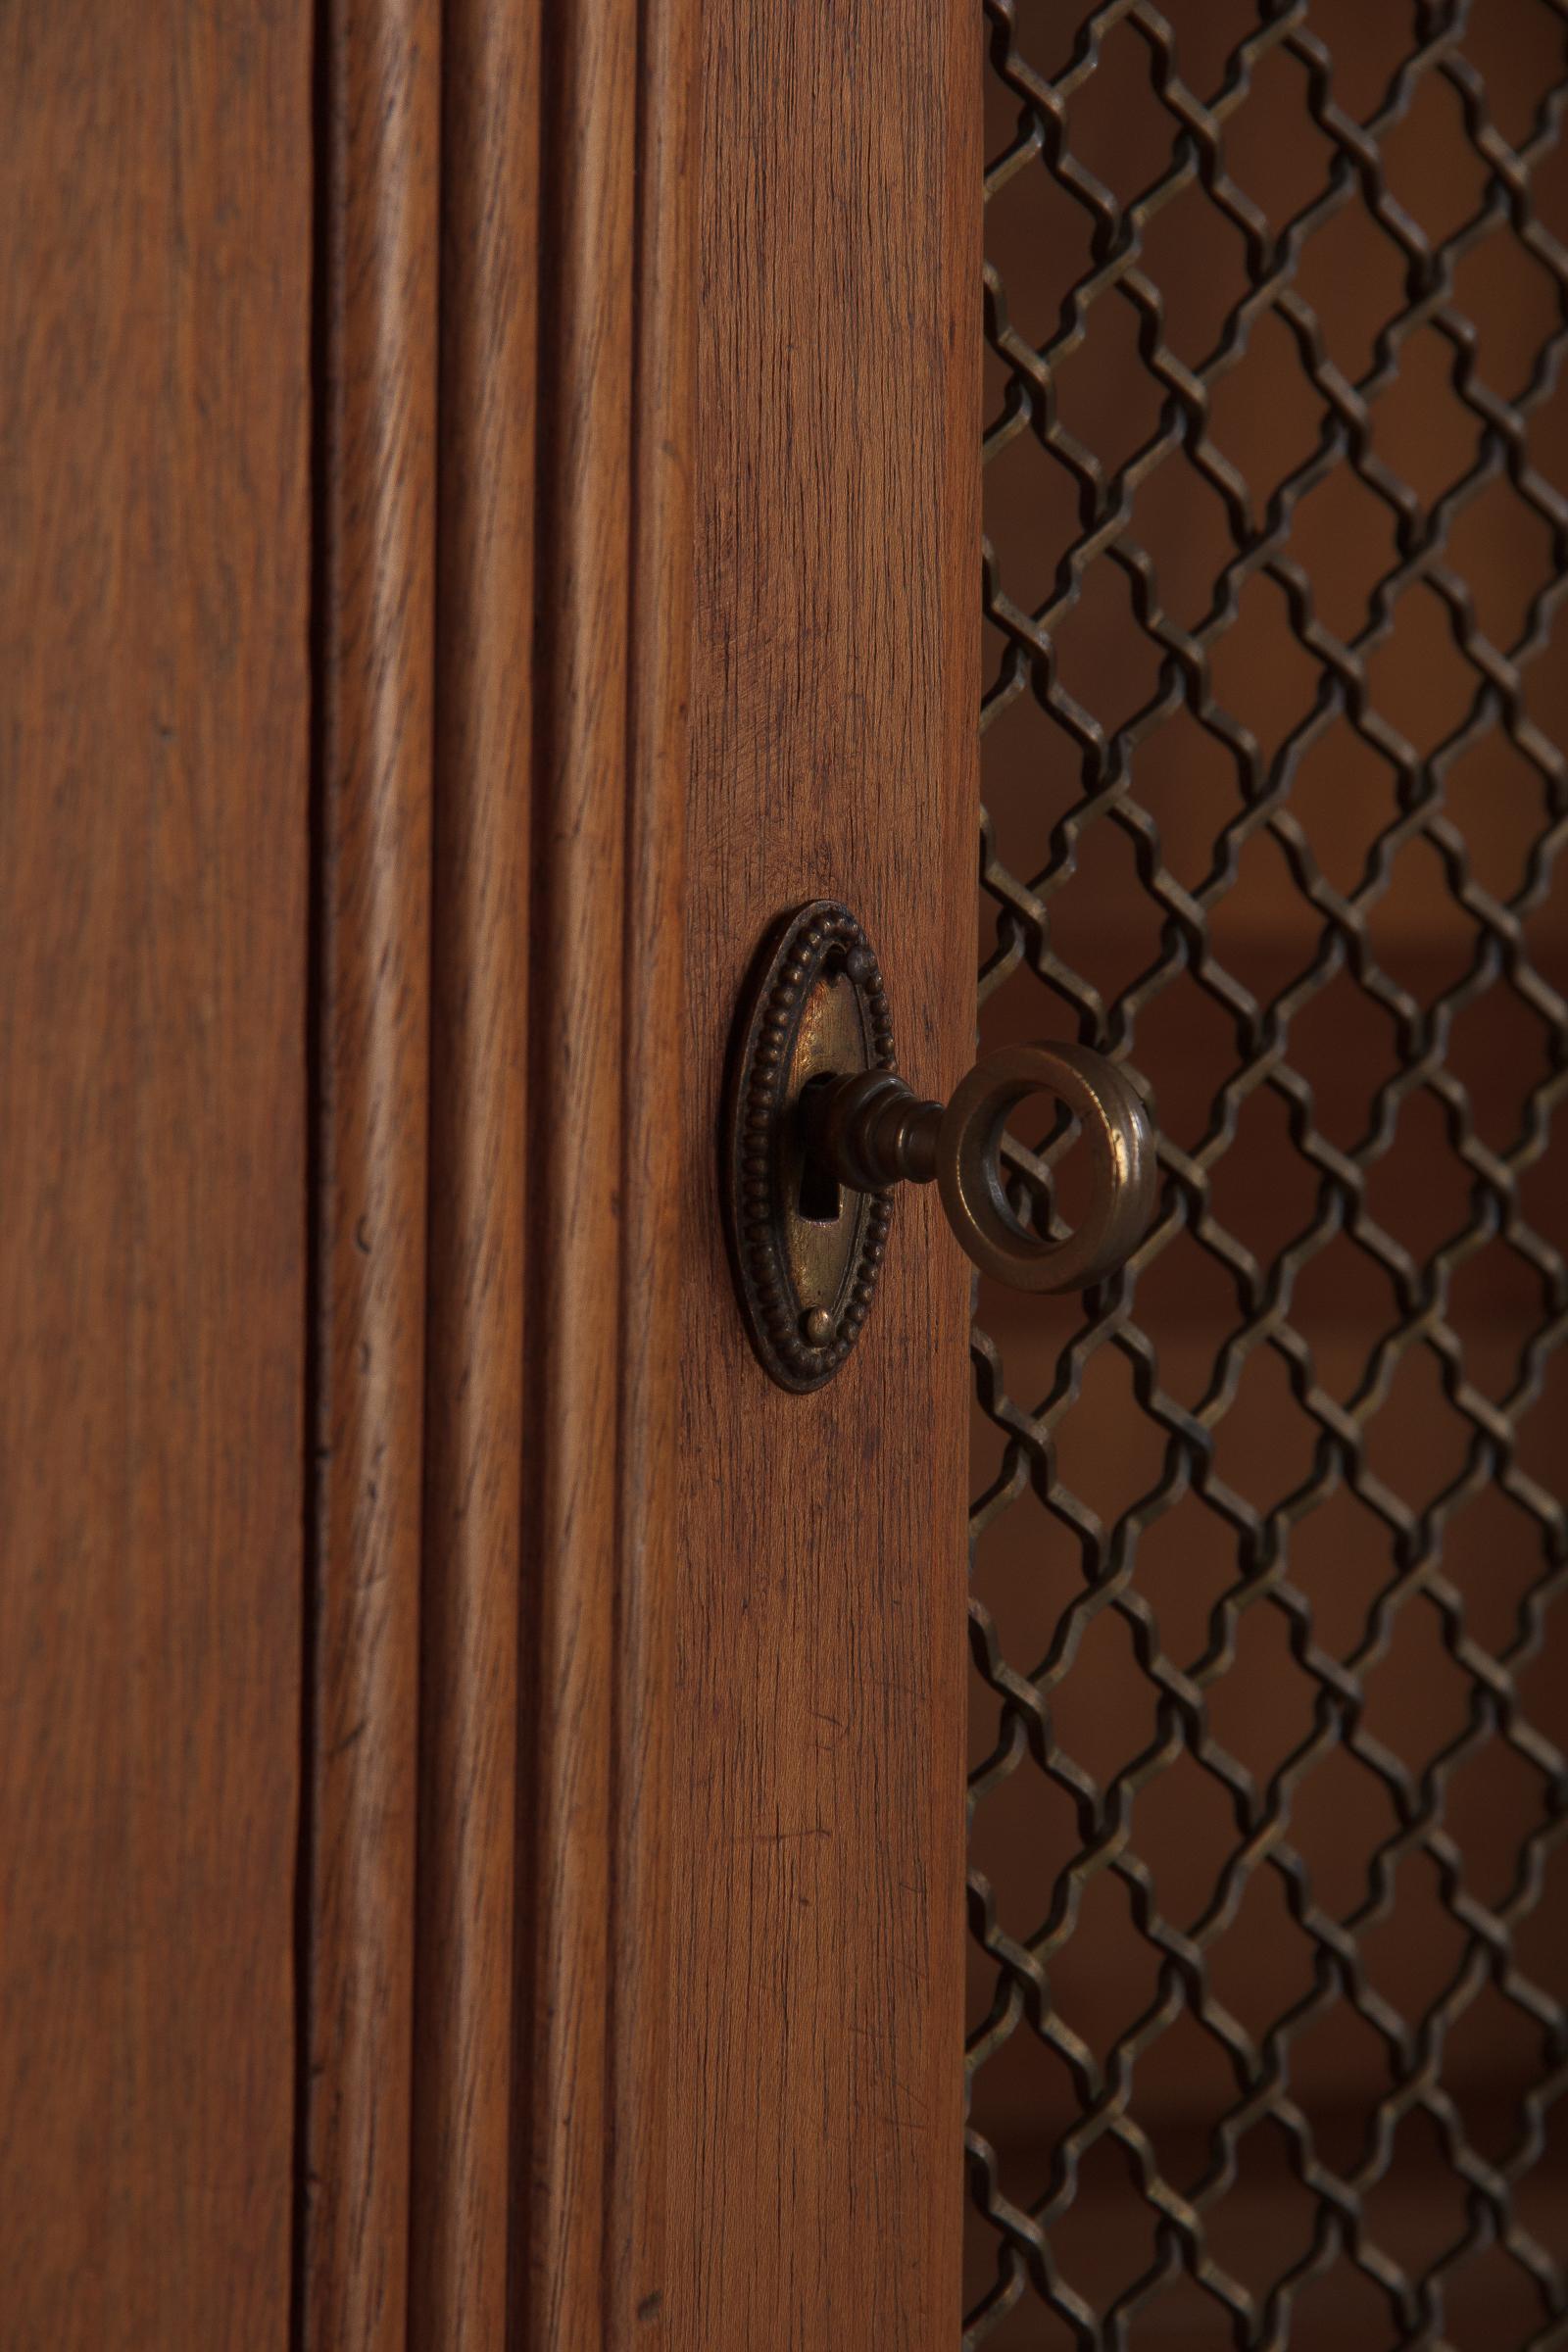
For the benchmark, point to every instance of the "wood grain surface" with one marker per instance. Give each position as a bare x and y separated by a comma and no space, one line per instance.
377,256
614,599
155,185
651,1558
625,1923
574,1112
462,2159
818,1789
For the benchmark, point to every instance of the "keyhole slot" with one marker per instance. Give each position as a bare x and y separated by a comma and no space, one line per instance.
819,1200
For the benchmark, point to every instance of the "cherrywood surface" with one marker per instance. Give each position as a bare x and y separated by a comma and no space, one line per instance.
650,1555
155,185
574,1114
462,2169
599,1977
818,1718
377,353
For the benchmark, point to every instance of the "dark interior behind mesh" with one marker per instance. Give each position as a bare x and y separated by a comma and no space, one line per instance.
1268,1899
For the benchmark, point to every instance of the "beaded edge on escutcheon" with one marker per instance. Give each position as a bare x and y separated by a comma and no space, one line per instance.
808,939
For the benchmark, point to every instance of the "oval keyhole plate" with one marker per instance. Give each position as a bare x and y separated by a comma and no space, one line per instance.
805,1251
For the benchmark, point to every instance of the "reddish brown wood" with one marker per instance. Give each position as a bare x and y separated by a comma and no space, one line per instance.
615,600
375,575
755,2122
573,1151
154,793
818,1720
648,1568
154,1053
474,1455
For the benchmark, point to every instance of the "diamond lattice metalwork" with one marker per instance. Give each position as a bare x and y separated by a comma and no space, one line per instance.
1268,1902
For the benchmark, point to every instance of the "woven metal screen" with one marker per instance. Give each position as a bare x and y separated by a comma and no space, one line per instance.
1268,1900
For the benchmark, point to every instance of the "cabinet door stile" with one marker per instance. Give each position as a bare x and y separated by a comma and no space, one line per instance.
375,520
815,2193
155,554
468,1634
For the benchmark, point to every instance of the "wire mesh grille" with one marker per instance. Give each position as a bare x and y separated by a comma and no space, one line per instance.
1268,1902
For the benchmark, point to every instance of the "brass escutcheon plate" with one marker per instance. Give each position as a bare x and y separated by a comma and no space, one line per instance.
806,1250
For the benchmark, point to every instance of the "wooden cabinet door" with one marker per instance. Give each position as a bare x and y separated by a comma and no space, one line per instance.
488,524
491,522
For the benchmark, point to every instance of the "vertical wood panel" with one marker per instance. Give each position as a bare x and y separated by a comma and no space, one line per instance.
819,1781
617,420
155,182
474,1446
573,1151
379,258
650,1564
